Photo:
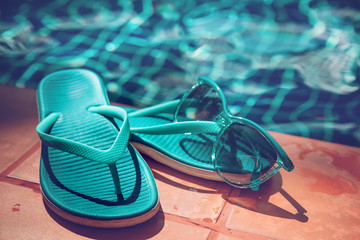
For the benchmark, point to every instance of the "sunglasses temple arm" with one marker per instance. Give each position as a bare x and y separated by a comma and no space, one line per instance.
180,128
168,107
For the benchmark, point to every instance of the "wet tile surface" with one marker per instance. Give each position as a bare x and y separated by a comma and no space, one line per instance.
320,199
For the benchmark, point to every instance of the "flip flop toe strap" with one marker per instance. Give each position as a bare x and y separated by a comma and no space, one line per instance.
108,156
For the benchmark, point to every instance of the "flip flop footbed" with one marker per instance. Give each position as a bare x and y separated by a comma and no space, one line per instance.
80,187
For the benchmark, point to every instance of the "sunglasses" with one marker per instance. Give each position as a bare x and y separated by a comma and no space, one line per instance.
243,154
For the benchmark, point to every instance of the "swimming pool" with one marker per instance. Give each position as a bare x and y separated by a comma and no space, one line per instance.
291,66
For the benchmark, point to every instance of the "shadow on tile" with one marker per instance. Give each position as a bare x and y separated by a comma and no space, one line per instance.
258,201
149,228
164,174
210,187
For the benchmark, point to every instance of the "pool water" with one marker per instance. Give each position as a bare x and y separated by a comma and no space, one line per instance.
291,66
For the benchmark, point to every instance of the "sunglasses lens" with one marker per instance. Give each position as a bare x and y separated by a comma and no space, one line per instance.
203,103
243,155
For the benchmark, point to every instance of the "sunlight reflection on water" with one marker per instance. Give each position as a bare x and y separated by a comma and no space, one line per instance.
281,63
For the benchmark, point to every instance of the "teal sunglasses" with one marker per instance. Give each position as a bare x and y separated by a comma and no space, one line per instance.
244,154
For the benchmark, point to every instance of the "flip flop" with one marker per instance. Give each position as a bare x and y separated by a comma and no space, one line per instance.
89,173
221,147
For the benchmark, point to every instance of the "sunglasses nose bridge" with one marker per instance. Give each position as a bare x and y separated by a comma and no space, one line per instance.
223,119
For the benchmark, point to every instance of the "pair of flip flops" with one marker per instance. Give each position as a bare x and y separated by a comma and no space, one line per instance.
89,173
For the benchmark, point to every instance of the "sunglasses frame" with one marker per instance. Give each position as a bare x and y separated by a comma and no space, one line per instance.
225,119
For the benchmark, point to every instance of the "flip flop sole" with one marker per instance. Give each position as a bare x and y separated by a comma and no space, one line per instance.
102,223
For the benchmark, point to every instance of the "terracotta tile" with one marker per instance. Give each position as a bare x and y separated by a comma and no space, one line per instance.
187,196
235,235
319,199
172,230
18,119
28,170
22,208
23,216
156,228
226,237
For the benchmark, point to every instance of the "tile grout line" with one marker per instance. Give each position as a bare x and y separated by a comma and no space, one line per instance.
224,216
20,160
22,183
215,229
213,236
226,210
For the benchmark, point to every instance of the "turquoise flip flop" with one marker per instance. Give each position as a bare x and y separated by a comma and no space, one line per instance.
198,136
89,173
